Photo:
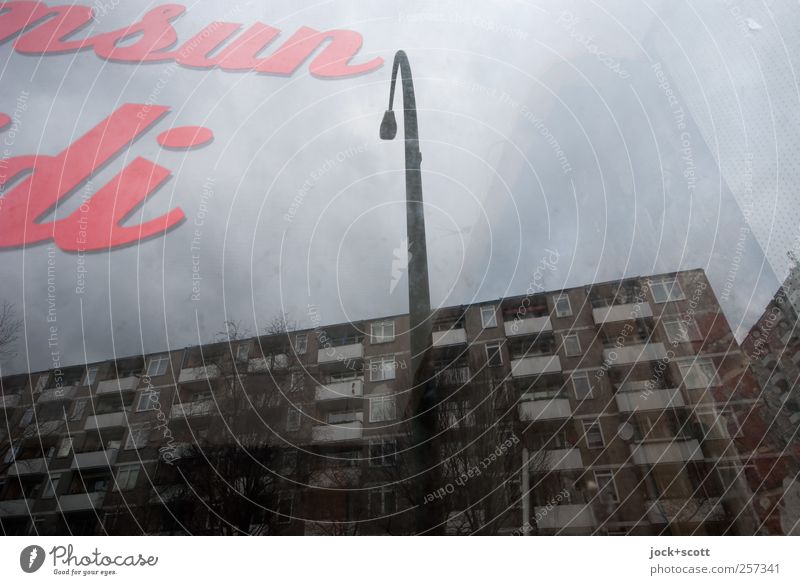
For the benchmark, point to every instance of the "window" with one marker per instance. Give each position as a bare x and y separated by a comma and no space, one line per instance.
126,478
494,356
296,382
381,368
292,419
41,383
582,386
64,447
666,290
27,417
563,308
572,344
489,316
90,376
381,501
51,485
593,433
12,453
289,460
382,408
301,344
606,488
382,452
699,374
680,331
382,332
242,352
157,365
148,400
285,506
137,436
78,408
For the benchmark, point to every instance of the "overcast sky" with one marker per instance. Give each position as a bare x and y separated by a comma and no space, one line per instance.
543,125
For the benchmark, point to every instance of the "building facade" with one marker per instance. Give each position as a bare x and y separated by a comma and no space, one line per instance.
622,407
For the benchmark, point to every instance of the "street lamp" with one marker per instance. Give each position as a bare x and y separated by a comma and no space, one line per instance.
419,296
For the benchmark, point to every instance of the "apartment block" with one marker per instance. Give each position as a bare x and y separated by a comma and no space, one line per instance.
612,408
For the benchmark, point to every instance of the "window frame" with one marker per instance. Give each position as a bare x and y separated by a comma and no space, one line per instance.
557,299
577,339
382,360
380,400
589,425
384,459
60,450
78,409
158,360
611,481
498,346
301,347
118,485
584,376
131,442
149,393
669,293
90,376
687,367
492,320
376,339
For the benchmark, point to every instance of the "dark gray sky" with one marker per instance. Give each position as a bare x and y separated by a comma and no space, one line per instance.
544,126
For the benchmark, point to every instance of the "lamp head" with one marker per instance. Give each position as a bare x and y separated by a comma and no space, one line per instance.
388,125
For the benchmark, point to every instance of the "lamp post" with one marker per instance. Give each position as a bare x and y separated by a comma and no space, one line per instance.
424,410
419,296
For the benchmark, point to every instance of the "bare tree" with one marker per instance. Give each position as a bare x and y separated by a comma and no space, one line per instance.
10,326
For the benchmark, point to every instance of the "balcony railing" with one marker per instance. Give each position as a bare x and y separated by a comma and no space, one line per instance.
625,312
668,450
94,459
655,399
533,365
340,353
190,409
563,459
81,502
527,326
449,337
338,429
9,400
18,507
117,385
665,511
340,390
633,354
106,421
28,467
565,516
54,394
547,409
198,374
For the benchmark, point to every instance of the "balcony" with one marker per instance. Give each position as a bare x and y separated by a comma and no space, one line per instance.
545,409
565,516
340,390
564,459
190,409
351,430
54,394
684,510
9,400
633,354
198,374
529,326
655,399
109,420
94,459
340,353
666,451
117,385
533,365
81,502
335,477
616,313
268,363
15,507
449,337
28,466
